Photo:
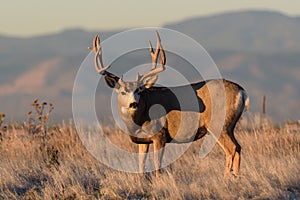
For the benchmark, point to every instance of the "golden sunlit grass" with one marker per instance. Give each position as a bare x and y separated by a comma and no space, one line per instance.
59,167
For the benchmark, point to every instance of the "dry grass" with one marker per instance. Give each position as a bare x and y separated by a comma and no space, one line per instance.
61,168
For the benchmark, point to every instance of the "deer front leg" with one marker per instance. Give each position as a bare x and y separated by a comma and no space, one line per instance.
143,150
158,154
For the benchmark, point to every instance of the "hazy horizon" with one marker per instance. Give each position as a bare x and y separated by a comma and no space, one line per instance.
83,28
33,18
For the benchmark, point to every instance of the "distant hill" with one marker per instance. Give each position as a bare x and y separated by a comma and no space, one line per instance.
251,31
258,49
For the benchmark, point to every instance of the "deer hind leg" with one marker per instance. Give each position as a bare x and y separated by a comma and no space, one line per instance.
237,154
229,147
237,157
158,154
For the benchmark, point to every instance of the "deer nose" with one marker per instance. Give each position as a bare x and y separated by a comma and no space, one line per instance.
133,105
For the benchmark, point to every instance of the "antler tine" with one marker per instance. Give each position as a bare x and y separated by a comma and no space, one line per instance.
154,56
98,55
163,56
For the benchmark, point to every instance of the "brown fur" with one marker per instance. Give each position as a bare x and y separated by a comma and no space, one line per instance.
206,118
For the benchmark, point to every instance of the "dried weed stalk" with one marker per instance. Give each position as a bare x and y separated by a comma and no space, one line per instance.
37,124
38,117
3,129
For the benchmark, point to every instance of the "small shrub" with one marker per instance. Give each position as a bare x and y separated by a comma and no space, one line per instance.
52,156
38,117
3,129
38,124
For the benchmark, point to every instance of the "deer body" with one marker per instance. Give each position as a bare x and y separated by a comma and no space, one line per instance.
172,122
176,121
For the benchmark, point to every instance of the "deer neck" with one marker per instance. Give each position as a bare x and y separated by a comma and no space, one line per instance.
162,96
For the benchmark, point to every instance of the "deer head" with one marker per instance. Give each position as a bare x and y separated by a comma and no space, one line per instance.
129,101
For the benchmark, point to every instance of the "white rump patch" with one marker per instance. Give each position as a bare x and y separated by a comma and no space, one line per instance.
238,101
242,96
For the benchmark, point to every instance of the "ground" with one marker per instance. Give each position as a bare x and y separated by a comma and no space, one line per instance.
59,167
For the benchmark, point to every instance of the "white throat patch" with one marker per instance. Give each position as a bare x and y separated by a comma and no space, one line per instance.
124,110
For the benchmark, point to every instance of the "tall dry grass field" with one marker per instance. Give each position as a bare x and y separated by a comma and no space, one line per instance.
59,167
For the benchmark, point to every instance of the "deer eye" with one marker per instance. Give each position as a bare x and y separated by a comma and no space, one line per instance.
123,93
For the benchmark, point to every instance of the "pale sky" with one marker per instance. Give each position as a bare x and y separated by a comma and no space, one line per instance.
35,17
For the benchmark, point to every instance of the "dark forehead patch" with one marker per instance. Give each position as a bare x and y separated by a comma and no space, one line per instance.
130,86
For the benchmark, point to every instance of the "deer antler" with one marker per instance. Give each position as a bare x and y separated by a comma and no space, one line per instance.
154,56
98,55
98,58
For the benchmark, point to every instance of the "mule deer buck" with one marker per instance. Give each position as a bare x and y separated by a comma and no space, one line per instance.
136,98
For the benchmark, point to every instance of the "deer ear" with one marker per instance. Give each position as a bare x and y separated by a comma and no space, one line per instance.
112,80
150,80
